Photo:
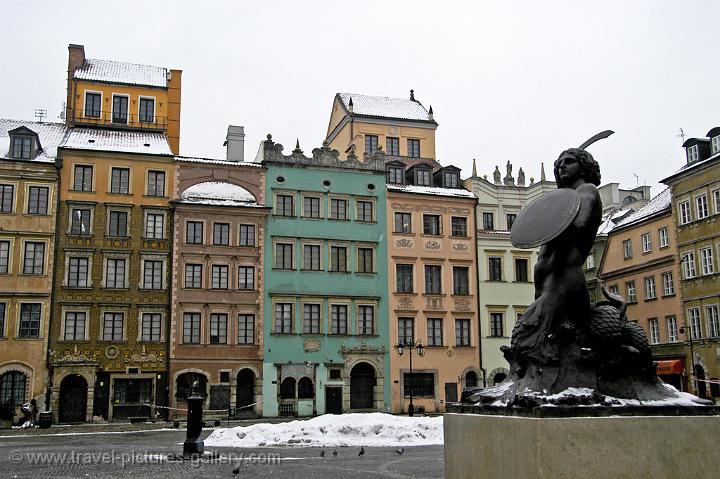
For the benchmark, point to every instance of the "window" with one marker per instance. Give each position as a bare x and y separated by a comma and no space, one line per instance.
4,259
685,215
246,277
21,147
646,243
152,274
450,179
366,320
591,260
715,144
488,223
706,261
364,211
283,256
83,178
461,280
668,287
151,326
78,272
404,278
283,318
650,288
246,329
713,320
403,223
510,219
284,205
495,269
194,232
716,193
462,332
688,264
154,226
654,328
627,249
34,258
521,270
496,325
218,328
120,109
432,279
338,209
117,224
311,319
371,143
434,332
396,175
338,258
120,181
115,273
458,226
113,326
413,148
191,328
219,276
421,385
128,391
147,110
247,235
311,207
93,102
311,257
392,146
75,326
338,319
613,289
692,153
221,234
7,195
631,292
38,200
423,177
695,327
406,331
702,207
156,183
432,225
193,275
664,238
12,388
29,320
672,329
365,260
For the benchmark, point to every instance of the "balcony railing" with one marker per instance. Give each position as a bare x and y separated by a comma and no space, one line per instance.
118,120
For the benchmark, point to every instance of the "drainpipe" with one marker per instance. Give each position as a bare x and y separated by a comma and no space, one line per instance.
53,286
477,296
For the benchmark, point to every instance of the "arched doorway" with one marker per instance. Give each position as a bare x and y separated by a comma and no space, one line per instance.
287,388
245,392
73,399
184,384
362,386
700,381
498,378
471,379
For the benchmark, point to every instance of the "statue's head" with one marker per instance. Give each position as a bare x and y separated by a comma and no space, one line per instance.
589,168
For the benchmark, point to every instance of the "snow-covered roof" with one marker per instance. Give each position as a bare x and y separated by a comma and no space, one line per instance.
659,204
385,107
218,193
432,190
189,159
117,140
120,72
49,134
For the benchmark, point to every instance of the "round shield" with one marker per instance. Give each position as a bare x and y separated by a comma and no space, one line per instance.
544,218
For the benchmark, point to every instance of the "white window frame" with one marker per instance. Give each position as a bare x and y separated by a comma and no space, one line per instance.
695,323
707,264
147,97
646,243
672,329
46,256
701,207
74,254
374,318
692,153
668,283
102,324
321,263
123,256
49,198
715,145
712,316
627,249
112,109
716,197
319,199
13,206
146,214
92,177
664,237
147,182
163,271
140,319
687,261
654,330
650,288
631,292
684,212
11,254
118,209
63,312
130,179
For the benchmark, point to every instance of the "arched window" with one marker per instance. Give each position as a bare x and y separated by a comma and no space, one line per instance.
471,379
184,383
305,388
12,387
287,388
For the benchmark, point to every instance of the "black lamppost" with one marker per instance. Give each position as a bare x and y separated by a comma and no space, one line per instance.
689,330
420,351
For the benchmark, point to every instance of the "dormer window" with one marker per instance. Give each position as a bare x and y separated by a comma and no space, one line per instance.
396,175
24,143
423,177
21,147
450,179
715,144
692,153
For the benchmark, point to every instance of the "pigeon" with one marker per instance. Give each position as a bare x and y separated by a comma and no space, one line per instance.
236,471
399,450
334,452
322,453
362,451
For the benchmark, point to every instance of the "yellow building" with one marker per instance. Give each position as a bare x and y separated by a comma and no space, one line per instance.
119,95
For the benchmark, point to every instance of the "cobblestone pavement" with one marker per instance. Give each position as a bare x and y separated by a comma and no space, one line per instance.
145,454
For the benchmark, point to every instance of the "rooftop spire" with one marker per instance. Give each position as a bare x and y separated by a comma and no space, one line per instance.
350,105
430,113
412,95
474,170
542,171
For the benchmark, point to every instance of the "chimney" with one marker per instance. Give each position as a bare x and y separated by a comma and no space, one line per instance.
76,59
235,142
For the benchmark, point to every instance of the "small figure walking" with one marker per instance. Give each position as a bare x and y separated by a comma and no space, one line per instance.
29,410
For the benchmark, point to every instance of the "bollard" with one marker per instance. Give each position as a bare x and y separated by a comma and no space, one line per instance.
193,445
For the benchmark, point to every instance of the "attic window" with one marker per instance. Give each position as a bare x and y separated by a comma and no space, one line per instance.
423,177
692,153
21,147
450,179
396,175
715,144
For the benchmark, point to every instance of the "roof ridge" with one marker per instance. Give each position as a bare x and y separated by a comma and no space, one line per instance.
124,63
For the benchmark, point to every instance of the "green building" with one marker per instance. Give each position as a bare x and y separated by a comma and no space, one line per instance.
326,309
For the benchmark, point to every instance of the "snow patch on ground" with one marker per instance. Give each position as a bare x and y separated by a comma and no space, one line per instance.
371,429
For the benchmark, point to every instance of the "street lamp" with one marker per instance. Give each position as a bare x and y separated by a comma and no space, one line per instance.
692,356
420,351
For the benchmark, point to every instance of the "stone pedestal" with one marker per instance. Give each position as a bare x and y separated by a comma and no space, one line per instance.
657,447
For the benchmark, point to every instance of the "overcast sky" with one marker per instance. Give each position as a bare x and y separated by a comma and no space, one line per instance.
508,80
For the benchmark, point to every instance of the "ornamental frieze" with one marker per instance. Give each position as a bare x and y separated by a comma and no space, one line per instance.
434,304
405,302
460,247
462,304
431,209
362,348
403,243
432,244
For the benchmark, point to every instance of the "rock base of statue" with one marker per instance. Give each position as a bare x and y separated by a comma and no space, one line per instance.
486,446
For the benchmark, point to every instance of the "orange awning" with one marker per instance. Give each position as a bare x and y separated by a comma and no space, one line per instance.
670,366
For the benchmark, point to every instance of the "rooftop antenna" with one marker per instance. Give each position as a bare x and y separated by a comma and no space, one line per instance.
40,113
682,135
